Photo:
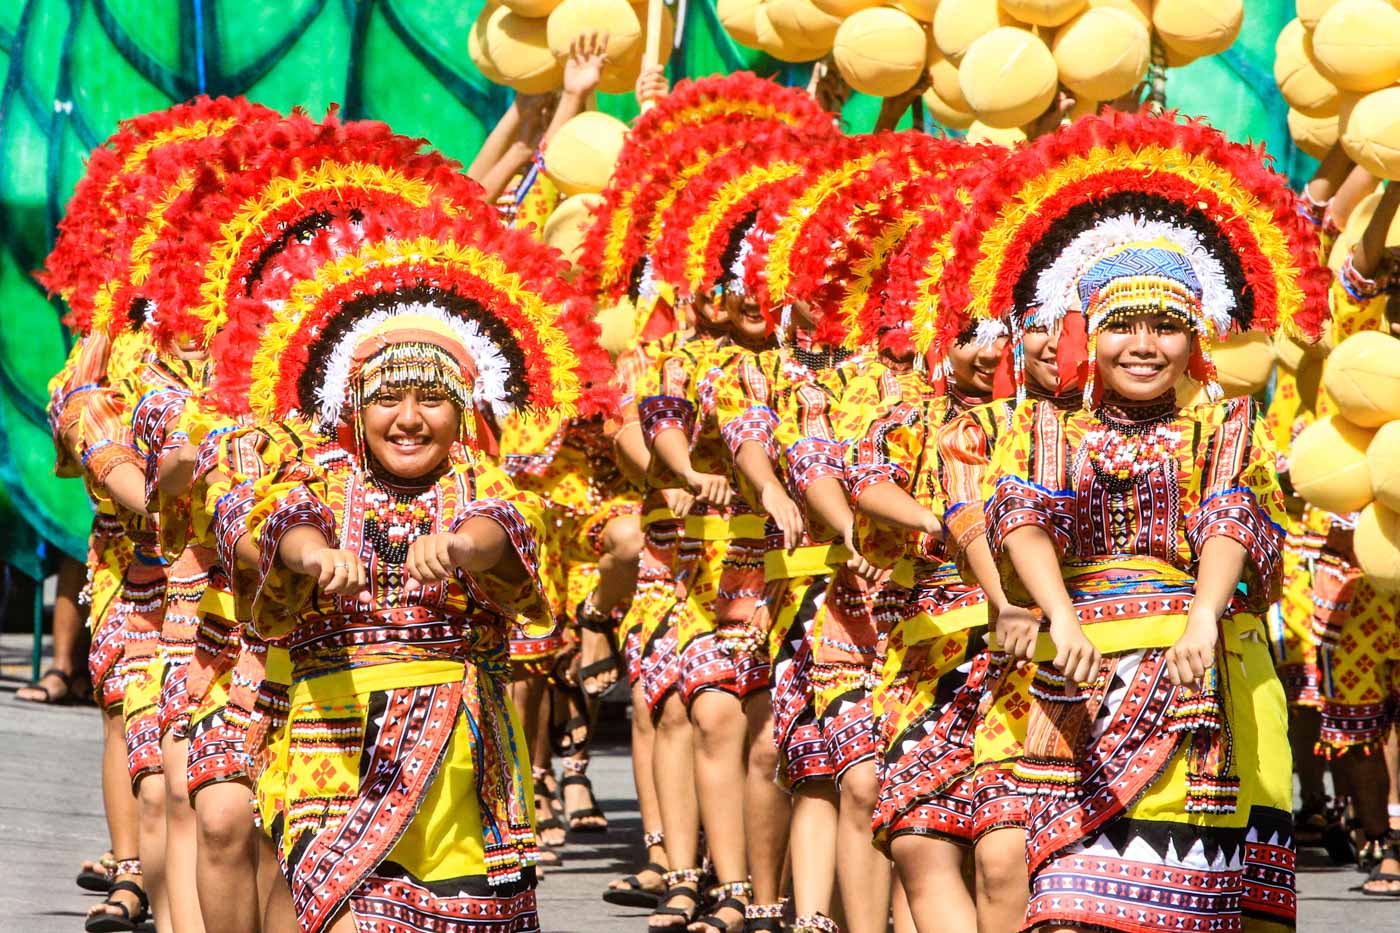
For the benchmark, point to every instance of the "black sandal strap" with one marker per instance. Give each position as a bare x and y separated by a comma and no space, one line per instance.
130,887
570,780
598,667
679,890
713,922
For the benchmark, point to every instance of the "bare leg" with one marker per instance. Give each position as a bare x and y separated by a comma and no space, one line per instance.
901,914
931,870
119,804
767,809
226,867
1002,883
269,872
150,799
617,580
673,761
862,873
528,694
67,638
720,770
813,846
643,740
181,838
280,916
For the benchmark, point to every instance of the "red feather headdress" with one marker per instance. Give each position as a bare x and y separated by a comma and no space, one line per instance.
495,293
1055,207
804,228
698,228
95,236
741,97
296,176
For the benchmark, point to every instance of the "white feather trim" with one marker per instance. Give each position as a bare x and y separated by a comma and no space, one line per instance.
493,370
989,331
1057,287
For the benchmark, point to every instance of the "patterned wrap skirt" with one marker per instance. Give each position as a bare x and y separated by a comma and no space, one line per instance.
109,556
394,810
185,587
653,607
927,706
1150,806
848,642
1357,632
802,751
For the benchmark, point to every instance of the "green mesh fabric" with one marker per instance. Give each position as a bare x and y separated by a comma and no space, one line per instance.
73,68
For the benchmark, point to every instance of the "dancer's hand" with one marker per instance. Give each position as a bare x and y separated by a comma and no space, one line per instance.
1017,631
338,572
784,512
437,558
1075,655
651,84
679,501
710,487
858,564
584,69
1194,652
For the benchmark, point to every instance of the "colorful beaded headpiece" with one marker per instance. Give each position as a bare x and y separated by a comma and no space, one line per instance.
1055,208
492,298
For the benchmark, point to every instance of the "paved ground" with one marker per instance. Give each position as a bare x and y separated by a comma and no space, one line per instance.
50,816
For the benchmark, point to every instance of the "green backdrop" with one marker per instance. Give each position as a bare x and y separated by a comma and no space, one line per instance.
73,68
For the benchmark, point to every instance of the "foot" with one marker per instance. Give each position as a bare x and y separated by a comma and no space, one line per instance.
127,899
683,902
732,919
578,801
549,823
54,687
595,653
648,879
1386,877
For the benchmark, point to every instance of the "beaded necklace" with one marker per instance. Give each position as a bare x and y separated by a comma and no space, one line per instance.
396,517
1133,439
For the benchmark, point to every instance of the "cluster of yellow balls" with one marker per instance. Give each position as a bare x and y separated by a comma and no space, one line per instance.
1338,66
993,65
523,43
1348,460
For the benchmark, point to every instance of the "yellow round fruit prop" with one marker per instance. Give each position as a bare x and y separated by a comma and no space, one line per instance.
565,228
943,79
1140,10
573,18
1008,77
946,113
1244,363
1044,12
922,10
519,49
1303,86
1363,380
621,77
1327,465
880,51
1310,11
775,44
843,8
1376,543
1383,459
1102,53
534,9
737,18
958,23
800,23
1372,136
618,326
1356,225
1314,135
1356,45
1289,351
980,132
1198,27
476,46
581,155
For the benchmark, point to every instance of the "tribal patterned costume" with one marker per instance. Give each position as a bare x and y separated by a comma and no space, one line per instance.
1148,805
438,826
